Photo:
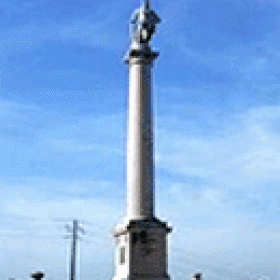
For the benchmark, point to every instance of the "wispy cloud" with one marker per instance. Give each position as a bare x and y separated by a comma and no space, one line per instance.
208,168
237,143
38,244
27,27
47,140
234,208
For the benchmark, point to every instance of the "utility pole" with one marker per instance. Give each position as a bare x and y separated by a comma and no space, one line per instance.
73,251
74,236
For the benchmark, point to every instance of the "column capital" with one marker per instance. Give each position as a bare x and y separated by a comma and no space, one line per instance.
136,56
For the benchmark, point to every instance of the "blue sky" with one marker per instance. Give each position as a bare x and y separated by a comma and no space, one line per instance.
217,113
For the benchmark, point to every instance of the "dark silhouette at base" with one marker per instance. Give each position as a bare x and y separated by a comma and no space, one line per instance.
37,275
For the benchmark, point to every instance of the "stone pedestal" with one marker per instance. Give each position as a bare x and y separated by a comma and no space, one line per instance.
141,251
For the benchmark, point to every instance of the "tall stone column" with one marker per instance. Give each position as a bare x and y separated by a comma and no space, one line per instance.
140,165
141,240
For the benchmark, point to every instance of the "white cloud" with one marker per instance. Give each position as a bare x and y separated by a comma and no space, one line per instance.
244,147
219,239
38,243
228,223
95,31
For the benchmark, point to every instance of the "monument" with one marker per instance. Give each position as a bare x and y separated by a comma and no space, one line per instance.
141,240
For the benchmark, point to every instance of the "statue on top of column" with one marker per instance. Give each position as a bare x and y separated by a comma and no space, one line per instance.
143,24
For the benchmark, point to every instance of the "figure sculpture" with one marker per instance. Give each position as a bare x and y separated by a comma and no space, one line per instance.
143,24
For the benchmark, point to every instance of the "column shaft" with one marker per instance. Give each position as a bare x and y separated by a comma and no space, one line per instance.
140,166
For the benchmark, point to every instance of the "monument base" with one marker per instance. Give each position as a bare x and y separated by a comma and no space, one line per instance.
141,250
